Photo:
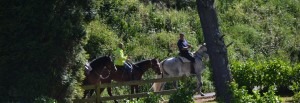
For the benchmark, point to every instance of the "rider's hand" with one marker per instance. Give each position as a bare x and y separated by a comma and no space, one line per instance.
128,58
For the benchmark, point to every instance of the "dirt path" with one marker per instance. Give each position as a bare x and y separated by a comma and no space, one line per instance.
208,98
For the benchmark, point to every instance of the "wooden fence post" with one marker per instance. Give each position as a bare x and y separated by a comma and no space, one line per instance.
98,95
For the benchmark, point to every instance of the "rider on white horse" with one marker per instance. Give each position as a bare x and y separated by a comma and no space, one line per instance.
183,47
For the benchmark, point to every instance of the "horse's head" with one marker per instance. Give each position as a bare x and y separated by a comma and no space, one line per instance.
202,51
155,66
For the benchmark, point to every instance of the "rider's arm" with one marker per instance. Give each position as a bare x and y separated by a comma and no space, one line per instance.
181,46
122,56
119,54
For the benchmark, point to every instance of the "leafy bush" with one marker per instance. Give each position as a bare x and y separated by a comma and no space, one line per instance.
185,93
102,40
264,74
240,95
44,99
151,99
296,89
296,97
41,49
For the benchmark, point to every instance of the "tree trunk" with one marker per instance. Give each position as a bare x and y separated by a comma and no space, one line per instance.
216,49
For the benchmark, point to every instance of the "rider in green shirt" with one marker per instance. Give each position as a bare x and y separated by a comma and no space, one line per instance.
120,58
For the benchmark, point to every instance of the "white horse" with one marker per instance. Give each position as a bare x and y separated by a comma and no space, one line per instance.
176,66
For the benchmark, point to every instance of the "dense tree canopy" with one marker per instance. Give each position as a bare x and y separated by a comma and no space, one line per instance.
41,48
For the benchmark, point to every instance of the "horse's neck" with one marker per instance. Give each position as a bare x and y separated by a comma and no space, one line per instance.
96,66
198,54
141,67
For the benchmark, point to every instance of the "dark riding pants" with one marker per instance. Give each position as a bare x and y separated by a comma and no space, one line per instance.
188,56
127,67
192,59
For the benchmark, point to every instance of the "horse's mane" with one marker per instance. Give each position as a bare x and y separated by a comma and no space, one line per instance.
97,61
201,52
142,62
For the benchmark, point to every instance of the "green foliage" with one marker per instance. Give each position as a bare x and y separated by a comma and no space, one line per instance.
296,97
41,49
296,89
240,95
268,73
265,74
43,99
185,93
260,27
102,40
207,86
151,99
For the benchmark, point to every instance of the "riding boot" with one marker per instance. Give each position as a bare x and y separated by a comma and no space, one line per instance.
192,68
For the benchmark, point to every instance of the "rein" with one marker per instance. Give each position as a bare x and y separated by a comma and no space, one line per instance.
99,74
143,69
199,55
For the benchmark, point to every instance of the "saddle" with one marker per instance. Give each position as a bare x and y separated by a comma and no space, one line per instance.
125,68
183,59
88,68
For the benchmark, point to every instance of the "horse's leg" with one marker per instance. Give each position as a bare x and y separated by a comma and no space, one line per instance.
162,87
175,84
136,90
132,89
110,94
199,82
101,90
156,87
91,92
85,94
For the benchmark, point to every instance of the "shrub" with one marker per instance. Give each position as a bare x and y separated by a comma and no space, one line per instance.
296,97
44,99
102,40
152,98
263,74
41,49
296,89
185,93
240,95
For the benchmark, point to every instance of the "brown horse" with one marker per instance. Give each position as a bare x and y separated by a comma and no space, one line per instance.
137,72
95,71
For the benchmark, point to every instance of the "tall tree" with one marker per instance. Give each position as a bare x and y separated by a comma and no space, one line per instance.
216,48
41,52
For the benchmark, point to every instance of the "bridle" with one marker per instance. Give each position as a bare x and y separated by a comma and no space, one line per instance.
152,66
99,74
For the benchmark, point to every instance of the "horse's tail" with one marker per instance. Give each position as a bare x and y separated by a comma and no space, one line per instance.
163,69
